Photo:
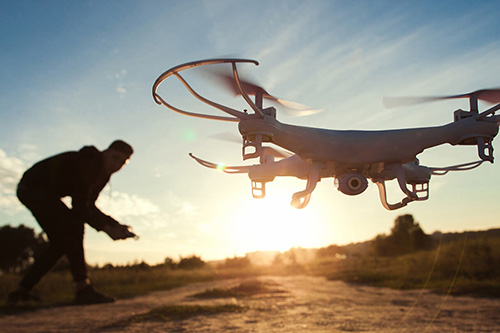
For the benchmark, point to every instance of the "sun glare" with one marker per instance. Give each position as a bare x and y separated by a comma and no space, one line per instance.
271,224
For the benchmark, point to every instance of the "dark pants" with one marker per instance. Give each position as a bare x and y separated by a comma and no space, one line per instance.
64,230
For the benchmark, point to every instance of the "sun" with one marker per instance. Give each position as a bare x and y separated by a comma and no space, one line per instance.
271,224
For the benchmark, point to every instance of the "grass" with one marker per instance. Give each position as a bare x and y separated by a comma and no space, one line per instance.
463,267
57,288
460,268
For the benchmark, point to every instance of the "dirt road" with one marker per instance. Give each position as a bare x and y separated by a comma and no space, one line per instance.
289,304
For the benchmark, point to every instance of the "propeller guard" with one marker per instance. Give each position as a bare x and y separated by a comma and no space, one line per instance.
236,115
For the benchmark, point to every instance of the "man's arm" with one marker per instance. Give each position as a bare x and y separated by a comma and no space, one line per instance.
119,231
85,208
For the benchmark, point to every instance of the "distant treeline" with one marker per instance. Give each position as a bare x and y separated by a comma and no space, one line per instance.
19,245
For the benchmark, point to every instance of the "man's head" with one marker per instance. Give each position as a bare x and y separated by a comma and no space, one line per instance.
116,156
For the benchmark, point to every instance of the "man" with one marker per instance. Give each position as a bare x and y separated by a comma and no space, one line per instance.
81,175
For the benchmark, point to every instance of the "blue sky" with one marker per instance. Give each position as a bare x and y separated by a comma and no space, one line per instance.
80,73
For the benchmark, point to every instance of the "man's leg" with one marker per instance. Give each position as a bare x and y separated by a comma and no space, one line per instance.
65,232
43,263
65,235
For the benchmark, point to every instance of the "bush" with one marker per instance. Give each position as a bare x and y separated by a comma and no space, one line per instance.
235,263
192,262
406,237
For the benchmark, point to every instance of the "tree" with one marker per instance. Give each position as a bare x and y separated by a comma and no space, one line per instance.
17,247
169,263
406,236
192,262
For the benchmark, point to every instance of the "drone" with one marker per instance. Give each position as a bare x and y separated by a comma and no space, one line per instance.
350,157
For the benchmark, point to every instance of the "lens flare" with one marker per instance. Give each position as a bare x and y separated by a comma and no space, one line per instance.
221,166
189,135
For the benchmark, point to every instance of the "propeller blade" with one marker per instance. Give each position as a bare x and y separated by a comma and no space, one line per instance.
396,102
228,137
226,78
488,95
295,109
278,153
251,88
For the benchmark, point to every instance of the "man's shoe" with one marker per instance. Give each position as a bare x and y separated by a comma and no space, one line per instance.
88,295
22,295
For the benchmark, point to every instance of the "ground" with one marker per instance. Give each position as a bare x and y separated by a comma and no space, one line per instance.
278,304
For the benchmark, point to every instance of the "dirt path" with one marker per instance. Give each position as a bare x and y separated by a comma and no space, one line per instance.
293,304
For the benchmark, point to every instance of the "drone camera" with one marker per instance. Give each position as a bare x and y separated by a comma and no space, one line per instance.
351,183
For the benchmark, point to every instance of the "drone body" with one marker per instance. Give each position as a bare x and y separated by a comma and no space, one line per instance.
350,157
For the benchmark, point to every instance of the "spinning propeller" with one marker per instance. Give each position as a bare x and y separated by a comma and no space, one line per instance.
488,95
226,78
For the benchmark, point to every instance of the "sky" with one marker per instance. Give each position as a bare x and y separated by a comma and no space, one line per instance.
76,73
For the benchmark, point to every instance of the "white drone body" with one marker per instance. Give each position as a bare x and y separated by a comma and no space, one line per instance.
350,157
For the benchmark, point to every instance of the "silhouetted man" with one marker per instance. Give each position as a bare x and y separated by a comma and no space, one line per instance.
81,175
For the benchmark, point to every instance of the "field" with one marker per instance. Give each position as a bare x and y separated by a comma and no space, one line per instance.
459,267
453,286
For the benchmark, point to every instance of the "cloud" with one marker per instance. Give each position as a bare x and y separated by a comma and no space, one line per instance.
11,169
123,205
121,90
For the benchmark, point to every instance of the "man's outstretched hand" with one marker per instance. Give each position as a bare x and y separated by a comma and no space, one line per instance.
118,231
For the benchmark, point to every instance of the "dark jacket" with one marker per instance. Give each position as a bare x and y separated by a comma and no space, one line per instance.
77,174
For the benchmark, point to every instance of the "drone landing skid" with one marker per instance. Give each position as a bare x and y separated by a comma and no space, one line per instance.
258,190
421,187
485,150
383,195
301,199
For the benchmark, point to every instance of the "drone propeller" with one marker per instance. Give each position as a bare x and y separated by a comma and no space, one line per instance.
488,95
278,153
251,88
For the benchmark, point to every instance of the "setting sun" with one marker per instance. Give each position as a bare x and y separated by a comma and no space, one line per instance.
271,224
